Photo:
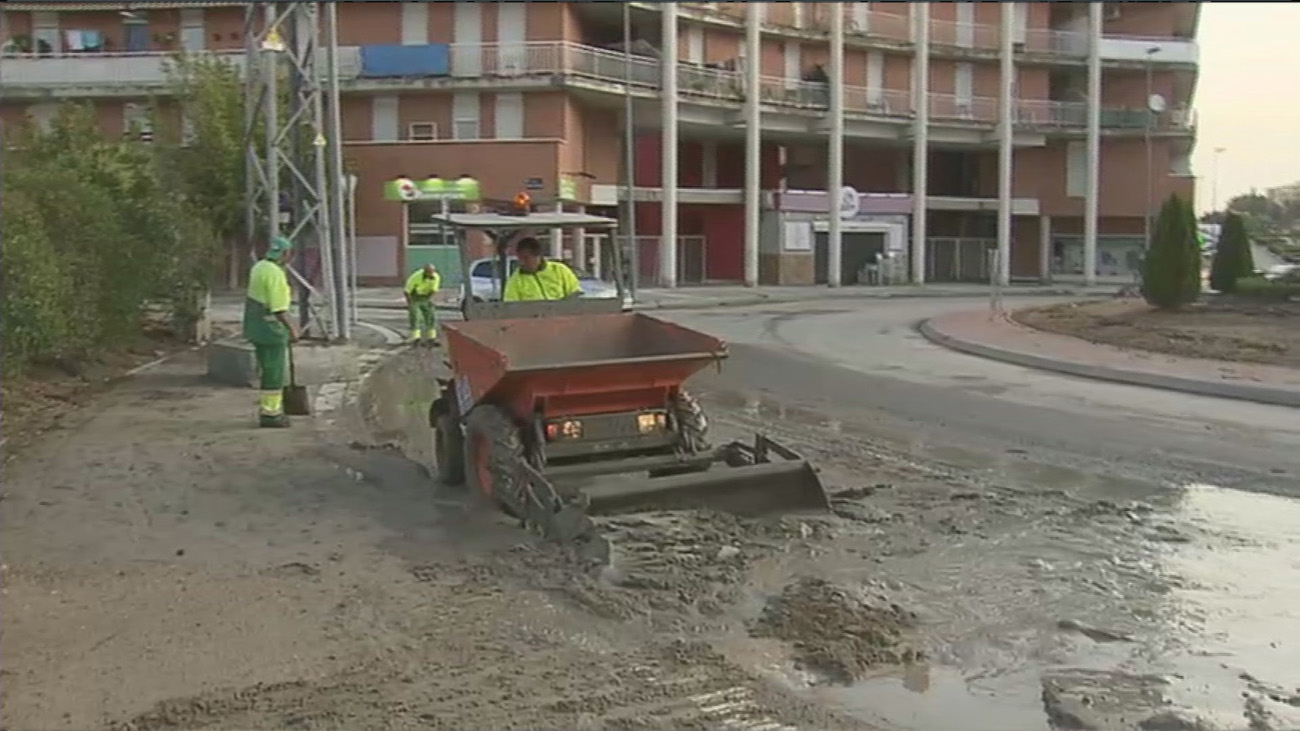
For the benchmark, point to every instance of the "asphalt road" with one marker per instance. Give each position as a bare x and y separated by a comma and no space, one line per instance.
863,361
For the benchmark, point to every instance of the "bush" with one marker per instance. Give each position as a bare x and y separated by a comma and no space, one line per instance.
1232,256
94,231
1171,271
1261,288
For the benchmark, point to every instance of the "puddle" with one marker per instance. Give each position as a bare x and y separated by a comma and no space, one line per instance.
923,698
1237,601
1206,626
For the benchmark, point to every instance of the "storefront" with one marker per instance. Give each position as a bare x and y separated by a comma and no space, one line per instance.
795,243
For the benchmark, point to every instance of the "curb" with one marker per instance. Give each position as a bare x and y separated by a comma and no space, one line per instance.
763,299
1239,392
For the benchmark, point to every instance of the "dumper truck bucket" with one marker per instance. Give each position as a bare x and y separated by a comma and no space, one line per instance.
739,478
765,478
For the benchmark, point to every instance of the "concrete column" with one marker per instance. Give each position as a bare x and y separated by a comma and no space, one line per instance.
1006,140
580,242
1045,249
1093,164
835,166
753,140
557,236
668,231
920,135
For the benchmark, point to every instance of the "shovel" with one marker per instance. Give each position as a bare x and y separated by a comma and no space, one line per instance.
295,396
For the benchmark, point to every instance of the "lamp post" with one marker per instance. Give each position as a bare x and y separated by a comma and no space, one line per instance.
1155,105
1214,179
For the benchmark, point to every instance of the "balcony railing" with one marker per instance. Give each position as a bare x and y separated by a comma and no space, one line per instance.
577,63
964,35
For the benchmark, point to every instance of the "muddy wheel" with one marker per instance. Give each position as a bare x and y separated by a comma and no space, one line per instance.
693,427
494,452
448,444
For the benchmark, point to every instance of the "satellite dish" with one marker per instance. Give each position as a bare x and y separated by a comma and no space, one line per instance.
1156,103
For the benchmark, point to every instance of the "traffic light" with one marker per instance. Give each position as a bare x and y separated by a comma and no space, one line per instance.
523,204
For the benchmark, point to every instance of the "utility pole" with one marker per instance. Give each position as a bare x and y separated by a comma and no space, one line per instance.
283,43
1214,179
1152,110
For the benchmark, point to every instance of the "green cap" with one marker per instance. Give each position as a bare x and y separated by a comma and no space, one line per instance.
279,245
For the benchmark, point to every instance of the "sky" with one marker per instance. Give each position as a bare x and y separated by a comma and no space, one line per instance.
1247,99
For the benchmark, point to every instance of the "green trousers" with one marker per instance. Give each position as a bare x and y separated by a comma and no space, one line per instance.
273,364
424,322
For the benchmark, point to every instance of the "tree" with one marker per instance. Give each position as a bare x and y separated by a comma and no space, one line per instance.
210,161
1232,256
1171,272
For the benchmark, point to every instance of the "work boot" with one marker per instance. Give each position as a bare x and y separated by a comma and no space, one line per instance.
273,421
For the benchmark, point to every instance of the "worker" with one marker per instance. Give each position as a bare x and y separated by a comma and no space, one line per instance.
538,278
267,327
420,288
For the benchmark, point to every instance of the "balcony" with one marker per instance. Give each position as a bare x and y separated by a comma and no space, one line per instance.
559,64
1129,49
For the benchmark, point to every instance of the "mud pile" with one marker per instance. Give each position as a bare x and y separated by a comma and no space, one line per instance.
836,633
675,569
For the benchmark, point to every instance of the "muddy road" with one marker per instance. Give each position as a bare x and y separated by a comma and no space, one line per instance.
1006,550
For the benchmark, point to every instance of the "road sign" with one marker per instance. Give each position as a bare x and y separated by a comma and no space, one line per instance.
534,184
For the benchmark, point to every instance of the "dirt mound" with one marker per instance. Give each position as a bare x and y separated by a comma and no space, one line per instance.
674,569
835,632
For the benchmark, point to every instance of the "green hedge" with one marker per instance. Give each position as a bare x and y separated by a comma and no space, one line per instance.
1261,288
94,231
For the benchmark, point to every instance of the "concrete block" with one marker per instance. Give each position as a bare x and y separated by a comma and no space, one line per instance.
232,362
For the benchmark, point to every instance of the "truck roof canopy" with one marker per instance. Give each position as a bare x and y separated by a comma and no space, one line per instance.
500,221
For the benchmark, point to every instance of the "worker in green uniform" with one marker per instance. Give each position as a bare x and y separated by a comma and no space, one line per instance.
267,327
539,278
420,288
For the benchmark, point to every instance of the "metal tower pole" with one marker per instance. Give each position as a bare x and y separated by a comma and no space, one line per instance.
295,116
337,176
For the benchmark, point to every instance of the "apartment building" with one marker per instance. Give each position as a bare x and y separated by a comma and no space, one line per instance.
533,94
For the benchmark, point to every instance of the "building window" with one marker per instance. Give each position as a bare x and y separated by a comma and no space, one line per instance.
1076,169
860,21
137,122
422,131
415,24
964,87
135,33
875,78
465,129
83,41
510,116
43,115
383,118
465,116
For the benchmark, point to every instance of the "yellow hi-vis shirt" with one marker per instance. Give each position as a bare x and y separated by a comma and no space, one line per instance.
553,280
421,287
268,293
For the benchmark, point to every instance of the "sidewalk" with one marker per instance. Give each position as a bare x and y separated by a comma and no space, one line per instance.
692,297
1000,338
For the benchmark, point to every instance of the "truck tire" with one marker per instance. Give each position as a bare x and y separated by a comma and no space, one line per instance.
494,452
693,426
448,444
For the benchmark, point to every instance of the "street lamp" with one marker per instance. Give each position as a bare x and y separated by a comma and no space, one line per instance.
1214,179
1155,105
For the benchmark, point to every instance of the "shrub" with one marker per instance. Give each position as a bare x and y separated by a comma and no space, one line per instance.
94,231
1171,271
1261,288
1232,256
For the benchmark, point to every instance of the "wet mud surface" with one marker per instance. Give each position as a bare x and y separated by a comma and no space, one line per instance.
936,594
